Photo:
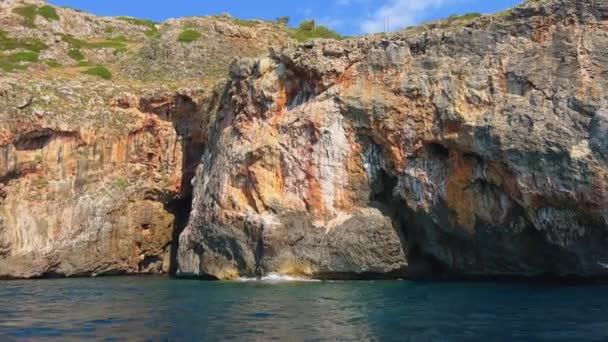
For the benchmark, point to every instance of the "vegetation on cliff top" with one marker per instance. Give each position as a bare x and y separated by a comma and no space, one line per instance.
113,43
14,61
31,44
76,55
309,29
48,12
29,13
100,71
453,20
188,36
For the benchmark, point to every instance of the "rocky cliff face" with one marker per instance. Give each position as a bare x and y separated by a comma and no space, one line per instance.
463,149
94,173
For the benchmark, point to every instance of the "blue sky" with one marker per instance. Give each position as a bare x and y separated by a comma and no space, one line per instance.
349,17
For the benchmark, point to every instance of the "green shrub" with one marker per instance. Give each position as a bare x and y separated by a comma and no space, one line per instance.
307,25
245,22
465,17
76,55
75,43
120,38
32,44
283,20
12,62
151,25
9,66
48,13
120,183
309,30
53,64
84,63
106,44
119,51
7,43
188,36
100,71
28,13
27,56
469,16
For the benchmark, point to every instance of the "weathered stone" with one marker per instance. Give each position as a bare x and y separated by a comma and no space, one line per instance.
463,149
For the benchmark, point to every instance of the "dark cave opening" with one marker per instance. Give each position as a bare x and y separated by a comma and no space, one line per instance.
408,224
383,198
181,210
39,139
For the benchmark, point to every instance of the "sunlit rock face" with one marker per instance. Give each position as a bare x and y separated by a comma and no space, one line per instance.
95,173
79,200
476,148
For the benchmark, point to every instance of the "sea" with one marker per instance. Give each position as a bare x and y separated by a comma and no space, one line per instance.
287,309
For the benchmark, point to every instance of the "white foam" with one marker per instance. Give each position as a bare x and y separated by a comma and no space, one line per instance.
277,278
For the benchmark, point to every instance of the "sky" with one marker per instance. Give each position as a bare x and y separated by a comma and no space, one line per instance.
349,17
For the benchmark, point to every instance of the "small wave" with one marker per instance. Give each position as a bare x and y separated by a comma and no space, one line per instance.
277,278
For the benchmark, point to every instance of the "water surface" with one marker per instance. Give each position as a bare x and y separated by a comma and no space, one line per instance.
161,309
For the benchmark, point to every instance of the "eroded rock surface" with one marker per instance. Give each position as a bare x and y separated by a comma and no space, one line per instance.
81,197
95,174
473,149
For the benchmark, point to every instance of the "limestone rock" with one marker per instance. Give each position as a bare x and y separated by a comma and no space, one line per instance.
459,149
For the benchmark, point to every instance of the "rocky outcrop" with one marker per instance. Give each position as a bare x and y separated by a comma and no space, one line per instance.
83,200
95,174
464,150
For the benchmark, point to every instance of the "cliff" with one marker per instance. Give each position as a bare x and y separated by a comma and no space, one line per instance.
102,124
464,148
468,147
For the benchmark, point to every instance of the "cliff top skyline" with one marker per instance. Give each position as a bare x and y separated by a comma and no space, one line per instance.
349,17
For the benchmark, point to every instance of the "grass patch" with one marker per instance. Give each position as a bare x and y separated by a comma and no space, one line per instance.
13,62
245,22
188,36
99,71
48,12
466,16
151,25
84,64
28,13
121,38
76,55
115,43
461,19
106,44
27,56
9,66
120,183
310,30
31,44
120,51
51,63
7,43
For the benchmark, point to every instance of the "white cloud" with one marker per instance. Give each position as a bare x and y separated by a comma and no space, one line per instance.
401,13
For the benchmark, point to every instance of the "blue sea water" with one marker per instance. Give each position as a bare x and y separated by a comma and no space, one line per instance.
163,309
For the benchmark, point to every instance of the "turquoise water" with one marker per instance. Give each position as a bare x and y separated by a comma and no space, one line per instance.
161,309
